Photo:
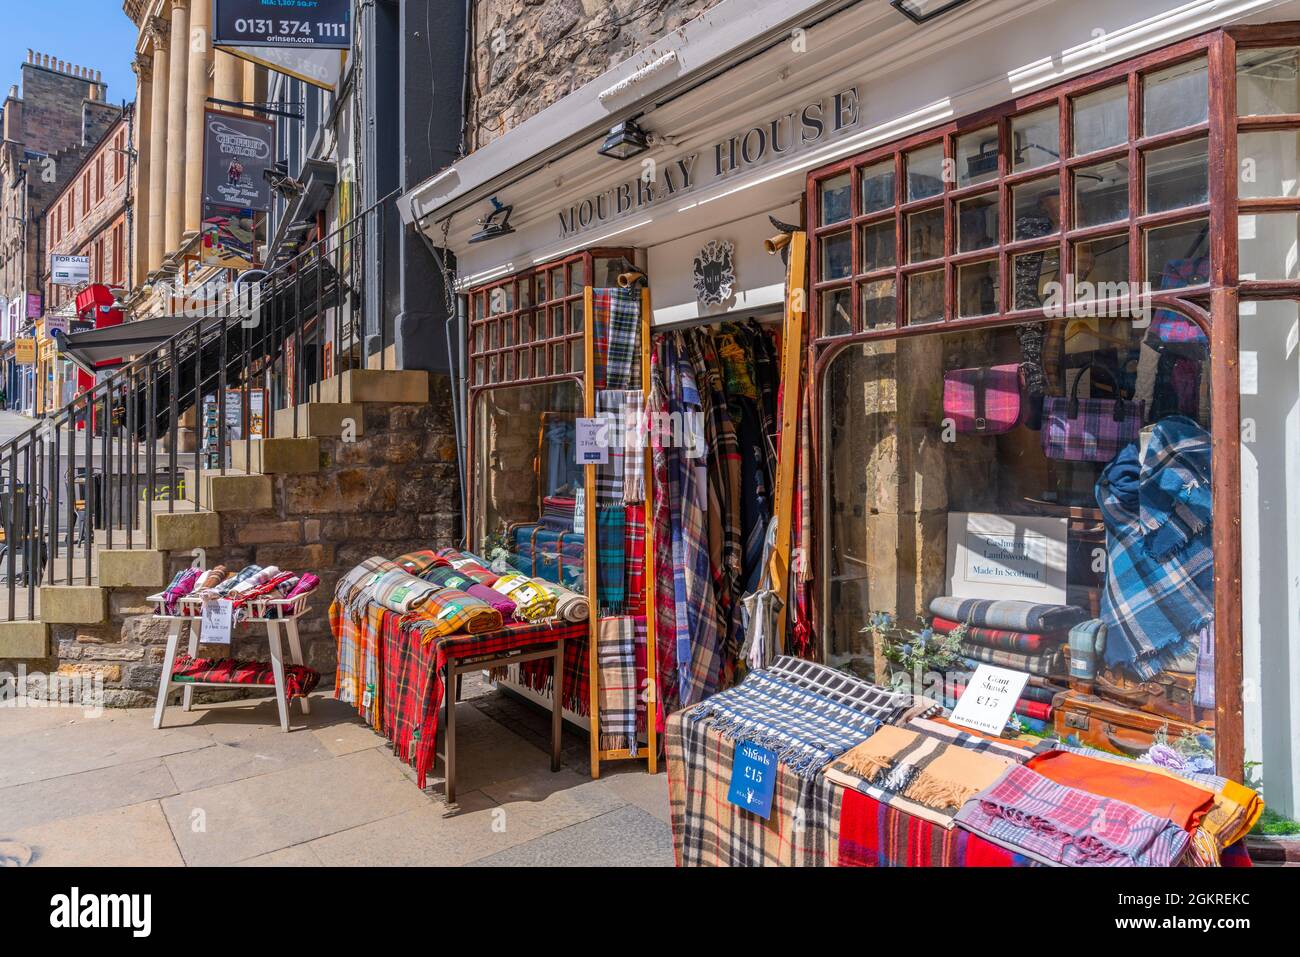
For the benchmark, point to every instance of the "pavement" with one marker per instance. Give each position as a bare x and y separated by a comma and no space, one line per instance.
222,785
12,424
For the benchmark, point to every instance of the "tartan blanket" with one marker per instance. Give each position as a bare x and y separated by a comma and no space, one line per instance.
180,586
1062,826
1023,642
449,611
444,576
806,713
417,563
356,678
533,603
400,591
299,680
353,589
470,565
611,542
1154,609
710,831
873,834
619,690
1018,749
1007,615
1046,665
576,689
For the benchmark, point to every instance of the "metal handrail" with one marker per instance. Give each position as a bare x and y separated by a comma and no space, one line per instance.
56,497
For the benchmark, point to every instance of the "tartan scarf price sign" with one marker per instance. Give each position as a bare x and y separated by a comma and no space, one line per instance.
753,779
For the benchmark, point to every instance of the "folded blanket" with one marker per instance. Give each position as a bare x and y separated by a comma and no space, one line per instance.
1064,826
923,775
1008,615
353,588
299,680
444,576
256,582
180,586
807,713
1019,749
1051,664
1023,642
401,591
532,601
419,562
211,578
471,565
449,611
1044,692
569,605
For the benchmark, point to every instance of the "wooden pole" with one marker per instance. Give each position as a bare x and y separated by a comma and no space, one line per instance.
589,525
651,647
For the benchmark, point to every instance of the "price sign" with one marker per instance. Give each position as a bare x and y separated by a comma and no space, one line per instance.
753,779
312,24
593,441
217,623
989,699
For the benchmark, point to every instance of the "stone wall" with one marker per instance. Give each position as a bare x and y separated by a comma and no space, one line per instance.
530,53
392,490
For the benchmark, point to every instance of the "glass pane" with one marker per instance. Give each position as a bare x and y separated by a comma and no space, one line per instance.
1268,164
577,355
539,361
836,198
500,300
1176,98
1033,272
836,312
837,256
576,312
509,360
879,246
480,377
1037,208
557,358
480,306
525,293
557,321
579,274
1179,255
1035,139
525,362
925,297
1101,119
879,307
1178,176
1269,246
1268,81
977,289
526,327
558,286
1101,194
977,157
977,223
925,235
925,172
541,287
1098,265
508,331
878,187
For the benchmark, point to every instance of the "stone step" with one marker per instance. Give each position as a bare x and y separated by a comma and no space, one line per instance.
231,492
24,639
374,385
186,529
265,457
324,420
132,568
73,604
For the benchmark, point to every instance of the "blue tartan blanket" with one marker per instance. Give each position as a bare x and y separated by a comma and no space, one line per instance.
806,713
1154,607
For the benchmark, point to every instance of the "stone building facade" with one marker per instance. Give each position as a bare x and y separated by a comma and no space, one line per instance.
530,53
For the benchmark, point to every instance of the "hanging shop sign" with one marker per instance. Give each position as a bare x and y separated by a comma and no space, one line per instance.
654,183
237,151
25,351
715,272
319,24
69,270
34,305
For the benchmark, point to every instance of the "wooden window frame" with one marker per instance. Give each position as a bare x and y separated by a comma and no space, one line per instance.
1213,305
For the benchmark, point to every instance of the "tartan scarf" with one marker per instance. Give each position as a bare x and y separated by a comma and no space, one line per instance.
806,713
616,327
874,834
634,437
450,611
618,687
1013,748
533,603
576,689
306,582
444,576
470,565
1175,494
1152,609
634,558
299,680
610,544
664,603
180,586
609,477
1063,826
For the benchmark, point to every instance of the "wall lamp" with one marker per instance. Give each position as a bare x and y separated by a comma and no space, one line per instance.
624,141
496,224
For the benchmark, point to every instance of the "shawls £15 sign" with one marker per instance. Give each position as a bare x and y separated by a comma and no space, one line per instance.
989,699
753,779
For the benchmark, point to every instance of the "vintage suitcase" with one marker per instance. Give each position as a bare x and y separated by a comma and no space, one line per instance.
1168,694
1097,723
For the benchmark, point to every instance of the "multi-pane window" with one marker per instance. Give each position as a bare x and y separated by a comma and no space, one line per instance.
1065,194
1268,163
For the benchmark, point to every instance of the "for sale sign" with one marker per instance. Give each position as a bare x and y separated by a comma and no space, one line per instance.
312,24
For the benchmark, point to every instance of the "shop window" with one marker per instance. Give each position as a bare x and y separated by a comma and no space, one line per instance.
977,223
925,235
977,157
1101,194
1100,265
879,246
1101,120
1176,98
925,297
1269,246
925,172
1033,492
878,187
1268,81
836,200
1268,164
1178,256
1037,208
1035,139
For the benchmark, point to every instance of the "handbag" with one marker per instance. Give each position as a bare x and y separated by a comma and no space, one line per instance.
984,400
1090,430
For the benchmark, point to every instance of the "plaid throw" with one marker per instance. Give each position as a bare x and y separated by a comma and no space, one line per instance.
616,325
470,565
576,690
417,563
569,605
533,603
634,559
1062,826
619,689
449,611
1154,609
1007,615
806,713
1051,664
611,539
1024,642
710,831
180,586
299,680
353,589
401,591
444,576
873,834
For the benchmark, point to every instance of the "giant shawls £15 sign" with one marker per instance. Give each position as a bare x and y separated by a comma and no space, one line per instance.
236,151
309,24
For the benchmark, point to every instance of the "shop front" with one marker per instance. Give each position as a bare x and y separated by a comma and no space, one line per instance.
978,355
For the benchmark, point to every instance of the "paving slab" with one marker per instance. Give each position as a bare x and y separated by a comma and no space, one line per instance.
549,801
74,795
135,836
242,819
262,751
626,837
635,786
300,855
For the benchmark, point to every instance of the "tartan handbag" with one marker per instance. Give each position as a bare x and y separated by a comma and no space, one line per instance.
984,400
1090,430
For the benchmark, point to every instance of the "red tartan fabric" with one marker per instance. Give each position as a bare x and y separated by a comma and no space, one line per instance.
876,835
1024,642
299,680
634,559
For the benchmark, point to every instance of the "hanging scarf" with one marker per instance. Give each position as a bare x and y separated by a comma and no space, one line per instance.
616,324
662,529
610,544
619,690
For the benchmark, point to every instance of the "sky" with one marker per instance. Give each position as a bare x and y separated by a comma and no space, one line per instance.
89,33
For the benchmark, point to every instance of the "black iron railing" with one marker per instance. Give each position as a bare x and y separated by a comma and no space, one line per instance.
92,475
